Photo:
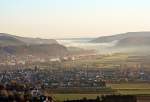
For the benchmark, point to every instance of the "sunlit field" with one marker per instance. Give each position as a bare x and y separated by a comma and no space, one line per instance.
61,97
124,89
133,89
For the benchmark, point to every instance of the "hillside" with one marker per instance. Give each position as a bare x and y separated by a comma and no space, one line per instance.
105,39
27,40
35,50
20,46
134,41
7,41
131,42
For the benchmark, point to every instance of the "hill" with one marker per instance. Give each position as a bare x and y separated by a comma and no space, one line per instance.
134,41
131,42
8,41
118,37
20,46
27,40
52,50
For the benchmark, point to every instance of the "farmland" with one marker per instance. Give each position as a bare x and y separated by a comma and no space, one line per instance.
130,88
124,89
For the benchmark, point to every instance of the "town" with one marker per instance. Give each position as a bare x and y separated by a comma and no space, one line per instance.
82,74
71,78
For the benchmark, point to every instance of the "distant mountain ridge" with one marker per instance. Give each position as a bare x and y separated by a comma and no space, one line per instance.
134,41
26,40
15,45
7,41
126,39
111,38
52,50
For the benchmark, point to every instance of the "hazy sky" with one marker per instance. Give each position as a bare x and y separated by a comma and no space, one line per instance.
73,18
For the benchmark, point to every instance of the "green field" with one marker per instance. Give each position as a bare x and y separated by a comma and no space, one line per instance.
124,89
133,89
111,61
62,97
103,62
130,86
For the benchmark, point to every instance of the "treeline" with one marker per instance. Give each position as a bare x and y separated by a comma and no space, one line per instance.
15,92
109,98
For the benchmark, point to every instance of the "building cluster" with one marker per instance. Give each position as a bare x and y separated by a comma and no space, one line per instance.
73,78
12,60
53,78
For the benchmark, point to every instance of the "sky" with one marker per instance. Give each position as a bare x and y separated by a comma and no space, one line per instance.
73,18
